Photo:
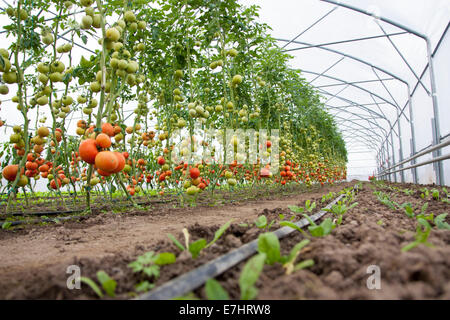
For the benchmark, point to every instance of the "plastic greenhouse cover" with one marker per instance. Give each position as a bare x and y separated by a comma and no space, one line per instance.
344,54
316,33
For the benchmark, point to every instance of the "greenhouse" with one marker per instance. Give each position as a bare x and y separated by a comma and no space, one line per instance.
224,150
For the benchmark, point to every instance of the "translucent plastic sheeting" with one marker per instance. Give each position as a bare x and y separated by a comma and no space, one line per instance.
365,68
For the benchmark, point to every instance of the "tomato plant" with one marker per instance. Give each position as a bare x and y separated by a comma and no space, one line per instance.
186,67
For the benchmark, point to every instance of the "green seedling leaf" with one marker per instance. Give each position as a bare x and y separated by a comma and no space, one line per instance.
424,207
409,211
165,258
288,261
311,222
151,271
380,222
440,222
214,291
144,286
296,209
176,242
269,244
220,232
196,247
310,207
422,233
6,225
261,222
92,285
304,264
189,296
292,225
108,284
281,216
249,276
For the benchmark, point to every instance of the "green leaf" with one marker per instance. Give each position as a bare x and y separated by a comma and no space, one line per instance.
92,285
269,244
304,264
440,223
189,296
291,225
176,242
249,275
196,247
108,284
296,209
214,291
144,286
261,222
6,225
410,246
85,63
151,271
165,258
311,222
424,207
220,232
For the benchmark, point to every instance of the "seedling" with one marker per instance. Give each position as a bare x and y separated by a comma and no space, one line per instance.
196,247
435,194
408,192
293,226
425,193
384,199
340,209
289,261
269,244
262,223
214,291
149,263
108,284
328,196
440,223
249,276
422,233
321,230
6,225
409,211
309,207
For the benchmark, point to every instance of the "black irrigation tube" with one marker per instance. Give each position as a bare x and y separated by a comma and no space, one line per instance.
54,213
197,277
20,222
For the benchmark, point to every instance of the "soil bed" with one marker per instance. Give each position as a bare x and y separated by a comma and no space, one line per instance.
371,234
34,259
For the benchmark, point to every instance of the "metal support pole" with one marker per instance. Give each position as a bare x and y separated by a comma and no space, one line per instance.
436,132
413,134
393,154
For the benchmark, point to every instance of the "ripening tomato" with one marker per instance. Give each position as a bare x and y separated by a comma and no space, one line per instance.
194,173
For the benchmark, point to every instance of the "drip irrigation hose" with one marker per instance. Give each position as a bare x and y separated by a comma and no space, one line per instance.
54,213
197,277
20,222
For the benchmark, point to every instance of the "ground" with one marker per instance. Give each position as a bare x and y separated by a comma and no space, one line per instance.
34,259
